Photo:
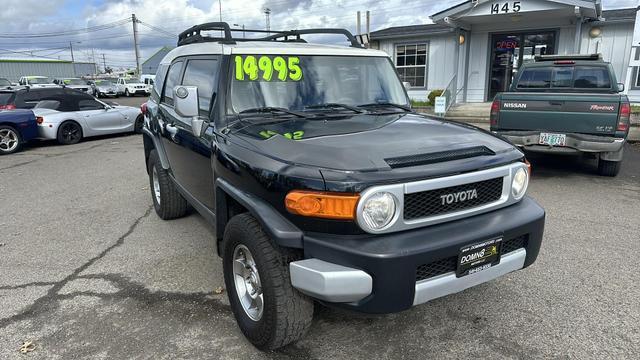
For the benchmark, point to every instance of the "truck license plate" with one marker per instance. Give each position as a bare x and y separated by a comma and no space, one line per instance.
553,139
478,257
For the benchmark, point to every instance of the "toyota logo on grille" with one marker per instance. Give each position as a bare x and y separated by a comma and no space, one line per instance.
459,196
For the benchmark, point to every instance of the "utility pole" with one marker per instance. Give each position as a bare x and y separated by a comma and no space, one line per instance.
220,9
104,63
267,13
135,42
358,27
93,57
71,47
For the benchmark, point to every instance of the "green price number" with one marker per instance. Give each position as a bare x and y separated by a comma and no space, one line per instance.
296,135
252,68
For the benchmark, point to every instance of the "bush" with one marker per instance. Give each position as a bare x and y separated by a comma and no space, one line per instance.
432,96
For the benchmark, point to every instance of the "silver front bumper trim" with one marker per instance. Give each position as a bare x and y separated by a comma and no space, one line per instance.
447,284
330,282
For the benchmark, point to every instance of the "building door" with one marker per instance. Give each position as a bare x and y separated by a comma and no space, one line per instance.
510,51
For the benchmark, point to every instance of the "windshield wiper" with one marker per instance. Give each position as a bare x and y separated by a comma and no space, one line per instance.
273,110
334,106
385,104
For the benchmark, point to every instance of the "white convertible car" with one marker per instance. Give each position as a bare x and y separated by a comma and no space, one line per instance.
72,116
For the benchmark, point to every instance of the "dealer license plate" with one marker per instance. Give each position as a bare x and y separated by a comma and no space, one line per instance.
477,257
553,139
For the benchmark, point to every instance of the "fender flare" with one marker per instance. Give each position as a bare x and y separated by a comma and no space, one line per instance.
279,228
157,145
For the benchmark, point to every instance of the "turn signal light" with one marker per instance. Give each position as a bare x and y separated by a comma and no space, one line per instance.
528,167
39,120
321,204
623,117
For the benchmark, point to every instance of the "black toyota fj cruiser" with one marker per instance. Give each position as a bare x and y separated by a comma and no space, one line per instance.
322,183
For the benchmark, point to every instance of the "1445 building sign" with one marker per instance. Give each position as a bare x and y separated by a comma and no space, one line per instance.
505,7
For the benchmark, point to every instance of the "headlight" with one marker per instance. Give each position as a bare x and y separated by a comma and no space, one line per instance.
519,183
378,210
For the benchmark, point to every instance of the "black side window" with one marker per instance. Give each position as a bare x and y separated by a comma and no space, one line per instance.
160,76
173,79
202,73
89,104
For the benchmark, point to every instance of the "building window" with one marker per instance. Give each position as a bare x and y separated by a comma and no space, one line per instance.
411,62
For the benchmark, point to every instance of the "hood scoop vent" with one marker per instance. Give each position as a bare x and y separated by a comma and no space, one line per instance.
436,157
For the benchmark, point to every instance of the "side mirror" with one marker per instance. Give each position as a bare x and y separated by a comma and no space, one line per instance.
187,105
620,87
406,84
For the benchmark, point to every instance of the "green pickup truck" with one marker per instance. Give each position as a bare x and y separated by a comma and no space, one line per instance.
567,104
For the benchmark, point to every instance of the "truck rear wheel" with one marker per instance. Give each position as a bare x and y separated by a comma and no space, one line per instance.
269,311
167,201
608,168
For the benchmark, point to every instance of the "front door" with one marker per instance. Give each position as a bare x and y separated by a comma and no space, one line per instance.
189,154
510,51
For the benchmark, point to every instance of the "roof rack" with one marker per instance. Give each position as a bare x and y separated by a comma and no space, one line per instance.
592,57
194,34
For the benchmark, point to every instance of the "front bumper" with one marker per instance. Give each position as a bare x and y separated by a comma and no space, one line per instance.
576,143
346,263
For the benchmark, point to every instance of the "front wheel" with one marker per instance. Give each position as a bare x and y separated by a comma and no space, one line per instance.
608,168
10,140
127,93
269,311
69,132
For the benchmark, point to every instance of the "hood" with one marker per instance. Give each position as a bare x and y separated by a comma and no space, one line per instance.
361,142
105,87
44,85
78,86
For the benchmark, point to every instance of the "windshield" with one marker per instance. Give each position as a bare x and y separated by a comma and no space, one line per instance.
301,82
104,83
5,82
75,82
42,80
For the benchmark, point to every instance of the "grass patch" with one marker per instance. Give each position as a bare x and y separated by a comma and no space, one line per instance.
417,103
635,109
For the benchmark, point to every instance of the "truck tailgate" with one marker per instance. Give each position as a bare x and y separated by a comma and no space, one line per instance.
595,114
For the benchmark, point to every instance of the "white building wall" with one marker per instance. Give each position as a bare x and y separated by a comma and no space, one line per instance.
614,43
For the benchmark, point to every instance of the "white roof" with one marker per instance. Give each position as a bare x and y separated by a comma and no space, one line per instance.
267,48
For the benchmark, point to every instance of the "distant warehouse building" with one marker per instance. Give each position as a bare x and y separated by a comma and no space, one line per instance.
13,69
475,48
150,66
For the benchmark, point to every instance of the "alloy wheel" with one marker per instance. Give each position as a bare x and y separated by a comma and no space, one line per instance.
156,185
71,132
247,282
8,140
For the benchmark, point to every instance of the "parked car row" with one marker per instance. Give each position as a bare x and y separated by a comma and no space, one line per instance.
63,114
96,87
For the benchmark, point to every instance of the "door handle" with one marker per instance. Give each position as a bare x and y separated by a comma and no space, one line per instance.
556,102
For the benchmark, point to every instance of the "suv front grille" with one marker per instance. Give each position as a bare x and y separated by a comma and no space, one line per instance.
429,203
447,265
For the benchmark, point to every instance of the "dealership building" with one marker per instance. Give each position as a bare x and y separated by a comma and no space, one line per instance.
475,48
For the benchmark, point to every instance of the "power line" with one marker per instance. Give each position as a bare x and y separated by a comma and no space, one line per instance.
64,33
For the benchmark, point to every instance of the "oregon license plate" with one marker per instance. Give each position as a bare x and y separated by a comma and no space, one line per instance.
478,257
553,139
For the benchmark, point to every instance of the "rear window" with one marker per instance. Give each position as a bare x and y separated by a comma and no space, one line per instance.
594,77
6,98
577,77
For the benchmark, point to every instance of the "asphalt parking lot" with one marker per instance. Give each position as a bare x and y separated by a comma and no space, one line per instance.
87,270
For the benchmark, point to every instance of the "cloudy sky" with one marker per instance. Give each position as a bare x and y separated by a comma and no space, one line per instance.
97,27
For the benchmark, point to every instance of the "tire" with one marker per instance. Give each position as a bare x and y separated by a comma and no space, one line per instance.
69,133
138,125
10,140
286,313
167,201
608,168
127,93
